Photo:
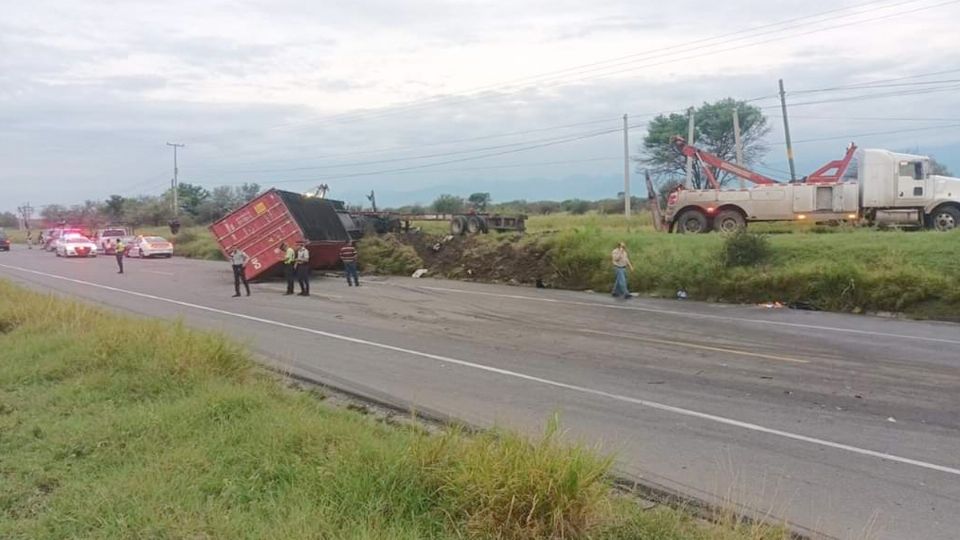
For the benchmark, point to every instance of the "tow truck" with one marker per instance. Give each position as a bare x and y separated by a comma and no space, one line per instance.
870,185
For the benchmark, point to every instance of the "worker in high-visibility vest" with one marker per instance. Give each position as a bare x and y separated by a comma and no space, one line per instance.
289,258
120,248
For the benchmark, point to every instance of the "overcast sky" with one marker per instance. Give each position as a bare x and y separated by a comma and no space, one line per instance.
291,94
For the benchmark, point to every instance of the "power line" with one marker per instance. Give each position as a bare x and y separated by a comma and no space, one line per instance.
671,51
610,120
871,133
457,160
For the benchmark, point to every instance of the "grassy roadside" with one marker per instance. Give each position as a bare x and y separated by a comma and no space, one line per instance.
112,427
836,269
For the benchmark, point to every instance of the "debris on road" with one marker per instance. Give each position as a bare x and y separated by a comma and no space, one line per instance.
420,273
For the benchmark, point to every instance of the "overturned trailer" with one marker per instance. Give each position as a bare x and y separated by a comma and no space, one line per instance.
277,216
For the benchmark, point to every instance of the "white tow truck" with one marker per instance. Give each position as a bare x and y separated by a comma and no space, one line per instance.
874,186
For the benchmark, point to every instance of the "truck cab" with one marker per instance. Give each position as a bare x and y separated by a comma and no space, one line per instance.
898,188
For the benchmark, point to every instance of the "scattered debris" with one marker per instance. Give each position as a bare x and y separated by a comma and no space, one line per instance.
805,306
655,382
420,273
540,284
681,294
858,396
771,305
891,419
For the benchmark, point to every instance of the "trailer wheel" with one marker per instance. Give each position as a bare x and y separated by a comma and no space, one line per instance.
474,225
946,218
692,221
729,221
458,225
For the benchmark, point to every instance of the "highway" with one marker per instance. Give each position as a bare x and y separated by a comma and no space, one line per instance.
846,425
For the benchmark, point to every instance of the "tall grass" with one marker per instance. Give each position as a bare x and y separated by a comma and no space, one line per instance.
913,272
120,428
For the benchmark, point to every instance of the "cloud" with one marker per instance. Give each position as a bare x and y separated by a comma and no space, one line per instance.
90,92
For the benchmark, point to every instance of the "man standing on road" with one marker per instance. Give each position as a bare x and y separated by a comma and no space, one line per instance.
621,261
238,260
120,248
289,257
303,269
348,254
29,239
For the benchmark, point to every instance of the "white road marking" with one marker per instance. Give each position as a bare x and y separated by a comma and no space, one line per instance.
694,315
517,375
158,272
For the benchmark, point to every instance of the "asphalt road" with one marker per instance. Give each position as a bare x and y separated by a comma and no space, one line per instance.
847,425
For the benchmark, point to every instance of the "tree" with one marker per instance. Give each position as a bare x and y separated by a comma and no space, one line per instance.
247,192
53,213
9,219
938,168
113,207
479,200
191,196
713,132
448,204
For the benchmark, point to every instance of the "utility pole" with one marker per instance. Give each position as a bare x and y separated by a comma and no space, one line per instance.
175,183
737,142
786,131
26,211
626,169
690,124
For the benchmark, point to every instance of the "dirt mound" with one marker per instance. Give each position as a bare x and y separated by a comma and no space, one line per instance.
491,257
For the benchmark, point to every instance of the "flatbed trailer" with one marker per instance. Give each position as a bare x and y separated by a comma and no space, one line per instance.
461,223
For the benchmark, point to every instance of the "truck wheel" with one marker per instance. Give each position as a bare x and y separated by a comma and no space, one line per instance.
729,221
692,221
474,225
945,219
458,225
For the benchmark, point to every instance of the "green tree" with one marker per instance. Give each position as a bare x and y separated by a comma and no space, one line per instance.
713,132
191,196
9,219
247,192
479,200
448,204
54,213
113,207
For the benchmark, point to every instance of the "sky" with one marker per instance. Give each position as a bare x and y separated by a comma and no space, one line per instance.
523,99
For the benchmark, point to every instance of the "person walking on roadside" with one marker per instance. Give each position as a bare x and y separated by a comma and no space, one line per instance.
119,248
348,254
29,239
621,261
303,268
238,260
289,258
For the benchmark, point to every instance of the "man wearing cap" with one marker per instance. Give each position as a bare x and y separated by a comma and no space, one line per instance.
303,268
289,258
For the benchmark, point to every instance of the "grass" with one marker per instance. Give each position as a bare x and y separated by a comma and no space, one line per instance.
112,427
855,270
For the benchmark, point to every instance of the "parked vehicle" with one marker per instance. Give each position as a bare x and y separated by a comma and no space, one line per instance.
4,241
75,245
52,236
150,246
876,186
106,239
259,226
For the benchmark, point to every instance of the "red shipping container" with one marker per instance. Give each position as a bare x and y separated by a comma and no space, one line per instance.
277,216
